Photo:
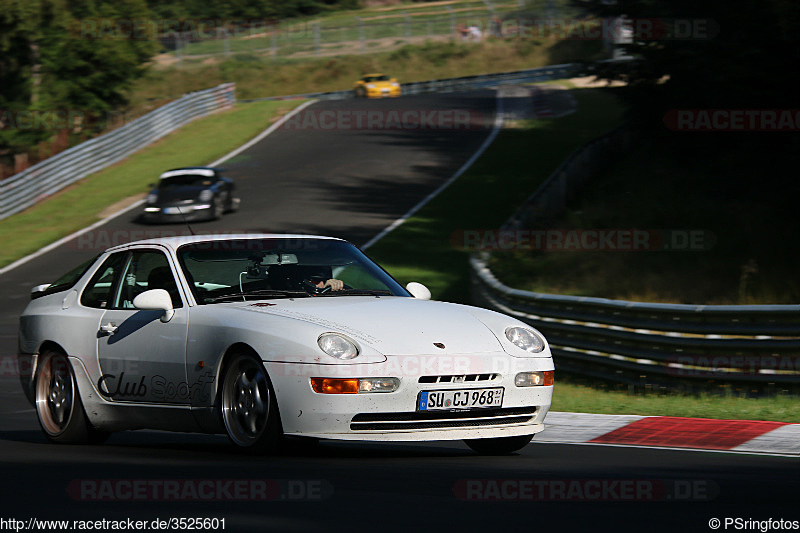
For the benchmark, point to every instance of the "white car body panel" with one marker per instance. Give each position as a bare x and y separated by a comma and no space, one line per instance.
172,369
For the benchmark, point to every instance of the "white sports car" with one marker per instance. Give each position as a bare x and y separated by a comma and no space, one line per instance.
267,336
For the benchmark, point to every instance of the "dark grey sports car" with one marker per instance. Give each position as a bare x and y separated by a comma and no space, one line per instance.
188,194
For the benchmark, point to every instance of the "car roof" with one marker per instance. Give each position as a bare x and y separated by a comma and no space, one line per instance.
190,171
174,243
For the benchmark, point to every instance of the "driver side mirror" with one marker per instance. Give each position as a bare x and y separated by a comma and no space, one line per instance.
418,291
155,300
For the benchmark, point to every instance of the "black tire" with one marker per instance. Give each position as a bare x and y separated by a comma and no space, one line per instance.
247,405
500,445
58,403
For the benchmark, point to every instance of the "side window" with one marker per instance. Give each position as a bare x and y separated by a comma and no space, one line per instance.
98,291
146,270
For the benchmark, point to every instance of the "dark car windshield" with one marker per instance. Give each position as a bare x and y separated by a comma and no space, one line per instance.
195,180
282,268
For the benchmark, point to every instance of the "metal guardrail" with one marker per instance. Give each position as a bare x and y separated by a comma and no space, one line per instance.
317,38
463,83
643,343
633,342
53,174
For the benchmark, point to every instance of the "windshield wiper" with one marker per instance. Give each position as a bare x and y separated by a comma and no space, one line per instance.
356,292
242,296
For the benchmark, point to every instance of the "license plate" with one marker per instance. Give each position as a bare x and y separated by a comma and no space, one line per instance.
171,210
448,400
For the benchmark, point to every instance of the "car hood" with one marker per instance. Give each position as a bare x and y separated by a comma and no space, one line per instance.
172,194
393,325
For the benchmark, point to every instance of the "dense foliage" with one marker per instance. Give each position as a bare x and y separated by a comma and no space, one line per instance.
47,63
81,56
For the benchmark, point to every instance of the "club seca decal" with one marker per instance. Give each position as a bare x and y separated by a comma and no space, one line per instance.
157,387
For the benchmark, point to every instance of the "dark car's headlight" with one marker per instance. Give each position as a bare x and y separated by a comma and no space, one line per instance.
206,195
152,198
525,339
337,346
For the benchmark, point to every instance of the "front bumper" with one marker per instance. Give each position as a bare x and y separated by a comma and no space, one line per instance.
391,92
168,214
394,416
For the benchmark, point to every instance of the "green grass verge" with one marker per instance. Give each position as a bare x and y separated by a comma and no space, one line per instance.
578,398
488,193
80,205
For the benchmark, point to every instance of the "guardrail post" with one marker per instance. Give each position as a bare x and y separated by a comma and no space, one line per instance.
274,42
408,24
178,49
452,21
361,38
316,38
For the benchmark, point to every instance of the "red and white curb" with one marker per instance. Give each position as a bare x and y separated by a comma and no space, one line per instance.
747,436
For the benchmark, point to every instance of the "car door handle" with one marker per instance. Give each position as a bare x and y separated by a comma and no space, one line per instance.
108,329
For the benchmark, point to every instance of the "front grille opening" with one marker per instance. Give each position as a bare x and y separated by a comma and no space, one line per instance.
442,419
460,378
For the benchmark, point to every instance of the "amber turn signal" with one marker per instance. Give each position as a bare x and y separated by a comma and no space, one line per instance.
334,385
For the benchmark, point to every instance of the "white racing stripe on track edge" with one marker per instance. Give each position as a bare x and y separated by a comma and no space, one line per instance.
498,124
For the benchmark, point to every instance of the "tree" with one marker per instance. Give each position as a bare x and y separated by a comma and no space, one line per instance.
81,70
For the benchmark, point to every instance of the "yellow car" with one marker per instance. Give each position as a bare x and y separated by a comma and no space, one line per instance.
376,86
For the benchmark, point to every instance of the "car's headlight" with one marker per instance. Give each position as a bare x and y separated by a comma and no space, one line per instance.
152,198
206,195
525,339
395,84
337,346
535,379
370,86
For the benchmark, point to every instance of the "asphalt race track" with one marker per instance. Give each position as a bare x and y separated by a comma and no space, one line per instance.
353,183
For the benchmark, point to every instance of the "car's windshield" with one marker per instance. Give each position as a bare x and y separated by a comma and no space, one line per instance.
183,180
69,279
382,77
281,268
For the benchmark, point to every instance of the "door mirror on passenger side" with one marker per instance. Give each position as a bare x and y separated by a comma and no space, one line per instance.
155,300
418,291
